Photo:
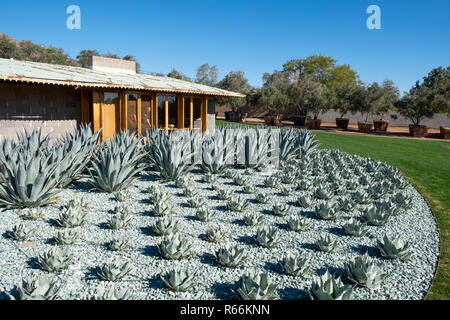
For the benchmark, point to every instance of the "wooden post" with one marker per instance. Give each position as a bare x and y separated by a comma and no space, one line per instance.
96,111
180,117
155,112
204,113
124,109
191,114
85,107
139,114
166,105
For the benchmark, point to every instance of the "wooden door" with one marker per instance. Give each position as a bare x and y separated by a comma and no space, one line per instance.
109,115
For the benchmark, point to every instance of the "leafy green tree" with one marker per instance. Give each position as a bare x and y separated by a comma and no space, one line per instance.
389,96
309,95
174,73
9,49
207,74
345,101
277,84
438,80
237,82
83,57
416,105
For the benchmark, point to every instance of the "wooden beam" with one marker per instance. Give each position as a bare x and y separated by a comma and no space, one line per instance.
85,106
166,105
204,113
139,114
155,112
191,114
96,111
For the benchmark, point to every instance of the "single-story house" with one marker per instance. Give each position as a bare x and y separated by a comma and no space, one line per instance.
109,95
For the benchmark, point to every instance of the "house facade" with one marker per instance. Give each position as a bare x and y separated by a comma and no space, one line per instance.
109,95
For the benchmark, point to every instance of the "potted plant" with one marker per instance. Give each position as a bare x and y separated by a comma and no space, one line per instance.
417,105
445,133
389,95
368,101
344,103
275,101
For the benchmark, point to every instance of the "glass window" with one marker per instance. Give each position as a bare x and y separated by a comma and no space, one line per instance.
146,116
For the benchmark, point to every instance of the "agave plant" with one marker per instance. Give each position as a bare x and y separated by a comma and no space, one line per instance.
196,202
298,224
119,221
363,271
163,208
303,185
71,218
55,259
271,182
116,164
170,155
22,232
262,198
165,226
121,209
281,210
111,293
77,204
118,243
253,219
190,192
308,144
389,207
345,204
216,153
256,286
401,201
237,204
376,216
174,248
326,243
267,236
240,180
209,178
288,178
249,189
224,194
304,202
325,212
181,182
322,194
122,196
295,266
66,237
355,228
326,287
33,215
205,214
393,247
360,197
214,235
289,146
230,256
178,279
286,191
114,269
230,174
37,287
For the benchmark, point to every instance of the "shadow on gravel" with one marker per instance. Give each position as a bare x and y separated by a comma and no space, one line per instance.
156,283
147,231
282,226
224,291
151,251
247,240
238,222
307,214
309,246
336,272
336,231
210,259
272,266
362,249
293,294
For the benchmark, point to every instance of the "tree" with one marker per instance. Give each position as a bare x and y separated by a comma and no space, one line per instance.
416,104
438,80
368,99
345,101
234,81
309,95
389,96
207,74
174,73
9,49
277,84
83,57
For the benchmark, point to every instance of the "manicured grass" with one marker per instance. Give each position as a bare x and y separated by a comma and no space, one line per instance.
426,164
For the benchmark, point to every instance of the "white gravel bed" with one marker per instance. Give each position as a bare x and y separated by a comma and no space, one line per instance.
406,280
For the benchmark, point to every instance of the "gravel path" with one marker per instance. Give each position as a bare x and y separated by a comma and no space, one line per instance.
406,280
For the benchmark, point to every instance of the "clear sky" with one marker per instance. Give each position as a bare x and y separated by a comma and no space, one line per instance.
253,36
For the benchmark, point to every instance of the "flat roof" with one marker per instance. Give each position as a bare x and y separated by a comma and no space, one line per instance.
42,73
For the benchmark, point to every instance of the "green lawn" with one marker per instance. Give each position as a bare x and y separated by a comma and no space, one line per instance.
426,164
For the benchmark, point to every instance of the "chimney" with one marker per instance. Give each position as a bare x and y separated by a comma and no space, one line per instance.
111,65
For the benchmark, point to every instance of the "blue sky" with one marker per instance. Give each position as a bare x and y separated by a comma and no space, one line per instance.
253,36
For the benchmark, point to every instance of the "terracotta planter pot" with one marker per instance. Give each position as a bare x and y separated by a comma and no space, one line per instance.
299,121
312,124
273,120
342,123
232,116
380,125
445,133
364,127
418,131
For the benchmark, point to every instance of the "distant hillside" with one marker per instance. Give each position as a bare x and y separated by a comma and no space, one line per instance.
28,51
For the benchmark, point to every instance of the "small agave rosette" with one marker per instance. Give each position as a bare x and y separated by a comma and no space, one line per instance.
255,285
363,271
394,247
294,265
231,256
175,248
326,287
37,287
179,279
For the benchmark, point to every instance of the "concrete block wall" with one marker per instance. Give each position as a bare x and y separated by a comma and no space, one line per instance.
55,109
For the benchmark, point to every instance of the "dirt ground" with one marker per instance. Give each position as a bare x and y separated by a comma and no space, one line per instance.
393,132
